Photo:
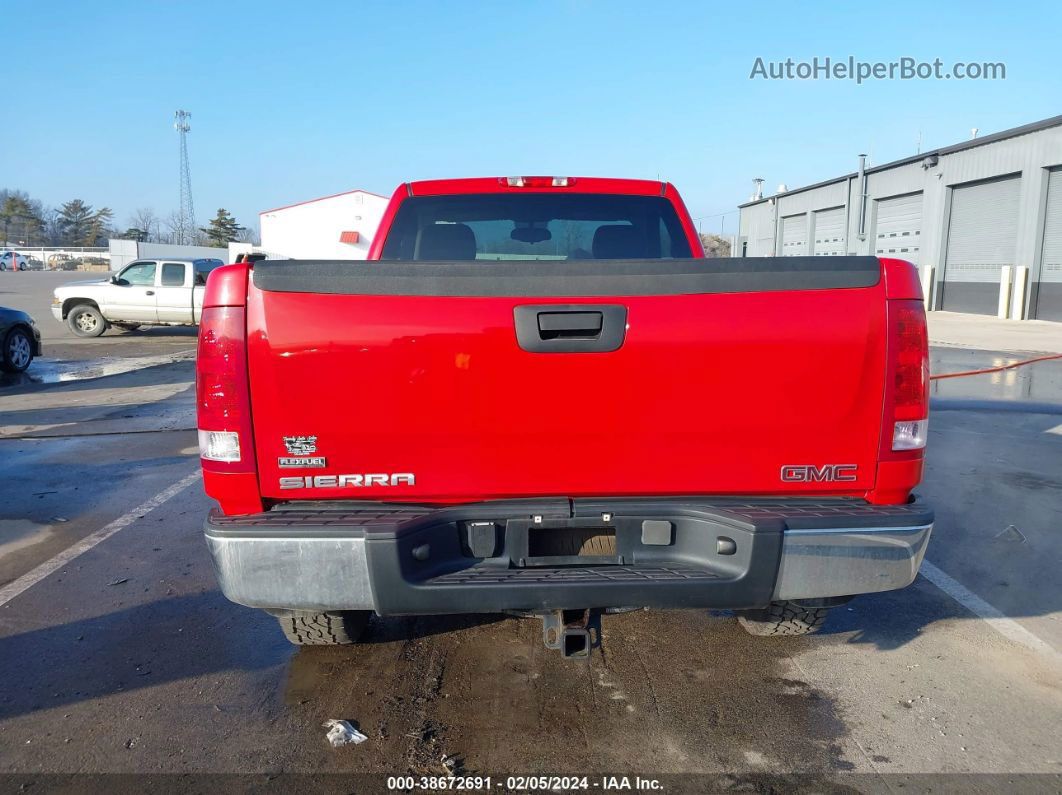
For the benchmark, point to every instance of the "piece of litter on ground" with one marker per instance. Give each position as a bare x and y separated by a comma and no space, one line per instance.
340,732
119,581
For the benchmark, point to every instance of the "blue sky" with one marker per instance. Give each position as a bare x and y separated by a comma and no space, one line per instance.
291,101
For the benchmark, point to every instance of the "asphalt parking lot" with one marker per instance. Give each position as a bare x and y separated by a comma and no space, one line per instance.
120,656
68,356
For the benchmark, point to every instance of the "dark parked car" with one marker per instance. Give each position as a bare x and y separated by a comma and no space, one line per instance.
21,340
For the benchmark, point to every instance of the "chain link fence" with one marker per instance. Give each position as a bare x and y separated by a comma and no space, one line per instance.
65,258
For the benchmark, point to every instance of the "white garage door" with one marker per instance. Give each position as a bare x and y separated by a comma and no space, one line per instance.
829,232
899,228
1049,294
762,247
982,237
795,235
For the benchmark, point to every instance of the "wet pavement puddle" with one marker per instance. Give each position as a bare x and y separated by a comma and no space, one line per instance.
1038,382
55,371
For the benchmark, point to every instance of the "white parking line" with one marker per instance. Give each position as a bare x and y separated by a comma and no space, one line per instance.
1007,627
28,580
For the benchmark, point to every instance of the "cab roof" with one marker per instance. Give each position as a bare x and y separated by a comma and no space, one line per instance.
447,187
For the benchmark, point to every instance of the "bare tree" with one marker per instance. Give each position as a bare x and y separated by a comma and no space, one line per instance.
173,224
250,235
53,227
144,218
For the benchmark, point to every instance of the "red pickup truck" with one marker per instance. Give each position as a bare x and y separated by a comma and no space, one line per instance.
538,397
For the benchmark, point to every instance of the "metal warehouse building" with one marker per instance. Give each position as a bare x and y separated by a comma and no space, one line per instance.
982,219
340,226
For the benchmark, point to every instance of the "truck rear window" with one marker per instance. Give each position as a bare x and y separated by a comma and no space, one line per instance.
203,267
535,226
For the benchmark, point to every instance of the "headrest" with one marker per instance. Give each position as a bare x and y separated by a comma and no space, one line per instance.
447,242
618,241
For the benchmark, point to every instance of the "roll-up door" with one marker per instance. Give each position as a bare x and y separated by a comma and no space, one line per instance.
795,235
1049,293
762,242
898,231
982,237
829,232
762,247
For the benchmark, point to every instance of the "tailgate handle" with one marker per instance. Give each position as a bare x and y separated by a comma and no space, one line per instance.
570,328
552,325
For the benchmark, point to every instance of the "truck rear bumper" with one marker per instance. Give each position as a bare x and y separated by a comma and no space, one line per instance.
488,557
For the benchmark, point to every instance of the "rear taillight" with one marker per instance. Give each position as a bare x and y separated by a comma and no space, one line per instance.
222,398
910,404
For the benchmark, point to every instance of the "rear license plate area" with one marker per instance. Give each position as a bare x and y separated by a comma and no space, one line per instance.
571,546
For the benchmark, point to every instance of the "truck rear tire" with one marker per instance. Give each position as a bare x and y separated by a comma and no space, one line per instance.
324,629
782,618
85,320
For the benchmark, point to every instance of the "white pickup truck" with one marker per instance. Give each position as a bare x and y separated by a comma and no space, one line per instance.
157,292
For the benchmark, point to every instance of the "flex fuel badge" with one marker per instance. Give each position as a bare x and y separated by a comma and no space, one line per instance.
286,462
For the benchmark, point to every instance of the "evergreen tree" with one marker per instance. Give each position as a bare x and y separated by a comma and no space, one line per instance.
83,226
99,228
75,217
21,218
223,229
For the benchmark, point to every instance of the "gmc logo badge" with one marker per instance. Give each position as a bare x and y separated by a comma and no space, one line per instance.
823,474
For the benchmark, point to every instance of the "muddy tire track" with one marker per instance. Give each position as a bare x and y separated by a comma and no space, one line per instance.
670,692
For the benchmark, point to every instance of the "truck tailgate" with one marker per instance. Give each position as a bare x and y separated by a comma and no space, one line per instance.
726,372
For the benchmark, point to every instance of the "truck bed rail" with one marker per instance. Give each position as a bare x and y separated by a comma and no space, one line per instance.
558,278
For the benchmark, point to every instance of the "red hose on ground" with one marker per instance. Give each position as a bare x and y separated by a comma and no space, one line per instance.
996,369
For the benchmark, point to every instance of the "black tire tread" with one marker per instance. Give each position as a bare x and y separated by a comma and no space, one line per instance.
324,629
783,618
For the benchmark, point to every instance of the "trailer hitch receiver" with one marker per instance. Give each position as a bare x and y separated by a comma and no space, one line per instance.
573,632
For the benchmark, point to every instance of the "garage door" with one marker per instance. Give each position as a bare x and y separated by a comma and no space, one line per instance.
982,236
1049,296
764,247
899,228
795,235
829,232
